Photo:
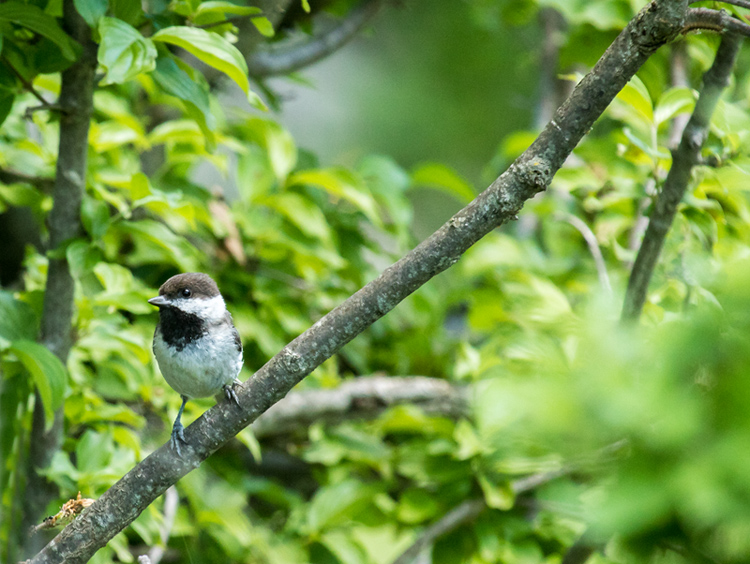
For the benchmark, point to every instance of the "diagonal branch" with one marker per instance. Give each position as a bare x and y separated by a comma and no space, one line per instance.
685,158
287,58
8,176
593,244
657,24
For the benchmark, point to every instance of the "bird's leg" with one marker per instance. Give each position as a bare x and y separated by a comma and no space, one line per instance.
230,393
178,431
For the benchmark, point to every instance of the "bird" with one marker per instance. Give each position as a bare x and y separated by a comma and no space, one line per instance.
196,345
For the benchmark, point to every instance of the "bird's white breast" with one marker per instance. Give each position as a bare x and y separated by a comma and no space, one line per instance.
203,366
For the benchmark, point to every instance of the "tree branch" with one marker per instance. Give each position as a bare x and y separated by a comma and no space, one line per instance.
469,510
171,503
287,58
463,513
593,245
76,99
361,397
26,84
13,177
715,20
686,156
739,3
656,24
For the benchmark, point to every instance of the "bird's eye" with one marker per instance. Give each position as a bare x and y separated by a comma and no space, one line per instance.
186,292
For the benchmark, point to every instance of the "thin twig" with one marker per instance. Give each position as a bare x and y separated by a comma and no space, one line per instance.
714,20
685,157
466,511
286,58
469,510
171,503
594,249
14,177
26,84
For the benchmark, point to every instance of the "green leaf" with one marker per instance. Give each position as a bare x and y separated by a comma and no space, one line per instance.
674,101
215,11
177,82
302,213
633,106
442,177
129,11
338,502
6,104
91,10
213,50
344,547
306,6
264,26
342,184
416,506
95,217
33,18
46,370
17,319
496,495
155,243
93,451
123,51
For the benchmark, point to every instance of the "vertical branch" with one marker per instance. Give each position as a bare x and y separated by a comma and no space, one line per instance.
684,158
551,89
76,102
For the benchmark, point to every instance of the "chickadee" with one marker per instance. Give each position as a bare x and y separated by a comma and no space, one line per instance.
196,345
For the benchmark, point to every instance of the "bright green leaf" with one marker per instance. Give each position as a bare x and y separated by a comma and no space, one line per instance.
123,51
46,370
496,495
306,6
678,100
264,26
216,10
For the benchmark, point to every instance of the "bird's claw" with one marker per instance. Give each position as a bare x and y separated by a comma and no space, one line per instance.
178,436
230,393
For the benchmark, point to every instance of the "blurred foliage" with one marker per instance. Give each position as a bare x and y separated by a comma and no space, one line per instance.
648,425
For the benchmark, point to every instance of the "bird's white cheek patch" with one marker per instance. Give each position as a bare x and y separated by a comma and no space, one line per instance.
212,309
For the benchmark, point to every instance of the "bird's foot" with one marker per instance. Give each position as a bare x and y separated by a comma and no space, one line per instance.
178,436
230,393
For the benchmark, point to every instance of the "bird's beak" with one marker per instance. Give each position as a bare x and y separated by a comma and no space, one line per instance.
159,301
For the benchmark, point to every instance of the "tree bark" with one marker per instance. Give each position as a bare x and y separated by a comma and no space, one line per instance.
684,159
